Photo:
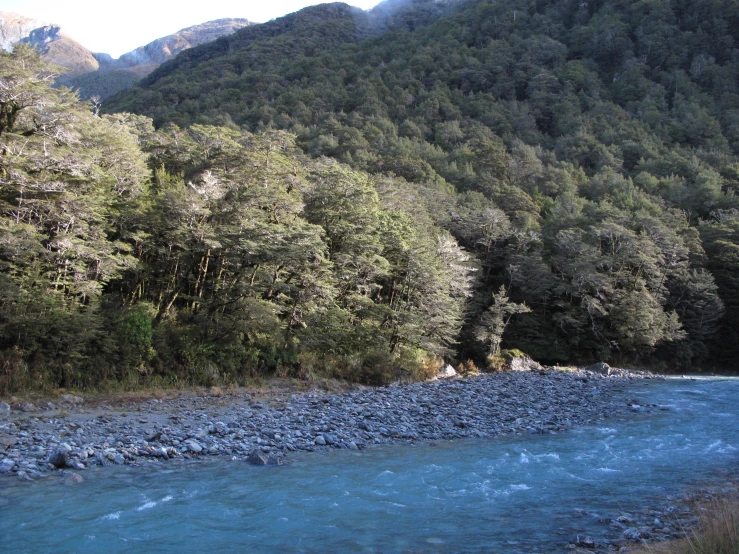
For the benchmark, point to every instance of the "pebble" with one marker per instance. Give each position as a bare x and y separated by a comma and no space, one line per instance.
541,401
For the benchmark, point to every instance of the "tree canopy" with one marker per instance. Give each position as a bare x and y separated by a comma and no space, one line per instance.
370,194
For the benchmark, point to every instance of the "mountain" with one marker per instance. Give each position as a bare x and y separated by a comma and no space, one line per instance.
14,27
119,74
58,48
145,59
99,73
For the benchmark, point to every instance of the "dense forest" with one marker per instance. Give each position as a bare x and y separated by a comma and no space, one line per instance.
371,194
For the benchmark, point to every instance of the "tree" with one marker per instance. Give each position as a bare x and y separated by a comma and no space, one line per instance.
494,321
64,177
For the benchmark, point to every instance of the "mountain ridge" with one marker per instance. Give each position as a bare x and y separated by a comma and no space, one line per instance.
100,74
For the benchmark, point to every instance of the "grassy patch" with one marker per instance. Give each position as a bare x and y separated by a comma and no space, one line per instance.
716,533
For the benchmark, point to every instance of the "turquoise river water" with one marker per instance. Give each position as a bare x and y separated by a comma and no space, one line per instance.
527,493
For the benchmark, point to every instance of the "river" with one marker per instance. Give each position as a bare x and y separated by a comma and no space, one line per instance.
523,493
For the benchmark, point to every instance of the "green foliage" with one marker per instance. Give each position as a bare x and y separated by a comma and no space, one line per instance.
364,196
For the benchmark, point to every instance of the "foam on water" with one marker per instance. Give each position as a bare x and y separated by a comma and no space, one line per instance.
521,487
146,506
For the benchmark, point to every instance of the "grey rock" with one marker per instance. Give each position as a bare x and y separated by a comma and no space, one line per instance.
72,399
73,479
6,441
6,466
258,458
4,408
193,446
523,364
102,459
601,367
60,456
635,534
447,372
220,428
114,457
320,440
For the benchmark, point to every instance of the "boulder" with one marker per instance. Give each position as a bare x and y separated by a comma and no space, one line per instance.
447,372
523,364
60,457
601,367
258,458
72,399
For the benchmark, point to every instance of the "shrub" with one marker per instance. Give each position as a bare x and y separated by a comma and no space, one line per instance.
468,369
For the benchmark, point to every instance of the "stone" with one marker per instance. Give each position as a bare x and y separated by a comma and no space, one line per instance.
4,408
220,428
115,457
258,458
60,456
6,466
524,364
635,534
320,440
193,446
73,399
353,445
6,441
447,372
73,479
102,459
601,367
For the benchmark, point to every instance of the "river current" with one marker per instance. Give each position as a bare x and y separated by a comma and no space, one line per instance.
524,493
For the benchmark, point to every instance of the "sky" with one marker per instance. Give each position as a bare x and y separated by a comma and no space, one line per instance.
119,27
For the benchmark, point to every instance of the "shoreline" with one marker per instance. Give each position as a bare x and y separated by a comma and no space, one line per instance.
274,426
244,426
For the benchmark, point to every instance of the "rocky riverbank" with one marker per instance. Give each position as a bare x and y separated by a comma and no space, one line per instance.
70,436
655,528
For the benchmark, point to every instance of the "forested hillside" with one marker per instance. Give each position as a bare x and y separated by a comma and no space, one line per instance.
368,194
602,135
207,255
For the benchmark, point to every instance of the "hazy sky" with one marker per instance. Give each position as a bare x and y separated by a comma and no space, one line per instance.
117,27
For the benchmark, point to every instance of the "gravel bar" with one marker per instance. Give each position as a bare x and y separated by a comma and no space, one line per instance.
68,436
